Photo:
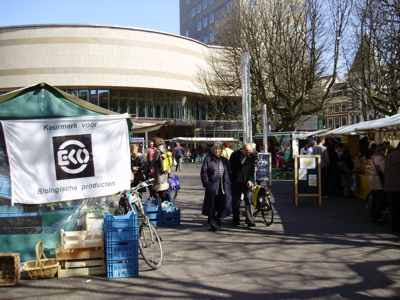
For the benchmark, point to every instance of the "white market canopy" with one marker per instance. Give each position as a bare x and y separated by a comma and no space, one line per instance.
142,127
305,135
388,123
203,139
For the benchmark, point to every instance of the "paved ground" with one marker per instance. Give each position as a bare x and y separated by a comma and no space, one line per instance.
308,253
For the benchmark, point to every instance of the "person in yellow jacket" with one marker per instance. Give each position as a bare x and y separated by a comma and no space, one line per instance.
167,161
227,151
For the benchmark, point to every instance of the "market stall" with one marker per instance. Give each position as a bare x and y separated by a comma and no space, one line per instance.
40,114
383,129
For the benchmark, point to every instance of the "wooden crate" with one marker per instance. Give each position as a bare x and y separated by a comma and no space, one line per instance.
81,239
81,254
9,269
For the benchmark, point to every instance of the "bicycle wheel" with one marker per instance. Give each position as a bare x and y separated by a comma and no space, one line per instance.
266,209
150,245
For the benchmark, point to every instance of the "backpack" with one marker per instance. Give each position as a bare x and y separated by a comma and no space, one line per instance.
174,183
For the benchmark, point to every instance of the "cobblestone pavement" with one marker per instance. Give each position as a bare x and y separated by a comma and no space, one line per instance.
308,253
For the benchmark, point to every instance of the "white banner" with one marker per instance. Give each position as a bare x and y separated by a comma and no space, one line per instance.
69,158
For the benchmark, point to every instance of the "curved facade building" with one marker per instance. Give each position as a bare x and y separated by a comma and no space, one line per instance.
151,75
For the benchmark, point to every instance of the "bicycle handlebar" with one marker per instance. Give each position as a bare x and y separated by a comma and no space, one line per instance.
143,184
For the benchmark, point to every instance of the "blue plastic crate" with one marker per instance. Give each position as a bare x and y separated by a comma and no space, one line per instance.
5,187
18,214
11,209
170,218
122,251
126,221
152,211
118,235
122,268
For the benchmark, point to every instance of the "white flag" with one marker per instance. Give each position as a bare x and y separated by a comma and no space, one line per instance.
69,158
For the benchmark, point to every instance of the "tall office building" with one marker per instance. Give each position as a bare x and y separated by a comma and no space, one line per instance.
198,18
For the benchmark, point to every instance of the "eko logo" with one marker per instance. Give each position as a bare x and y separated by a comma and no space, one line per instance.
73,156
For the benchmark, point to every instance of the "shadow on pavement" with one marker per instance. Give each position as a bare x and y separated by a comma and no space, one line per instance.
308,253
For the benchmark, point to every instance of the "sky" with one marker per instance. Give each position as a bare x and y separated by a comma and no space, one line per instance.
161,15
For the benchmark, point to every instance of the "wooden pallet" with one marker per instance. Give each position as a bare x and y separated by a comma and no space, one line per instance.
81,254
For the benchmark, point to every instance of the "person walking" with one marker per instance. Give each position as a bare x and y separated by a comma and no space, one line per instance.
215,177
160,168
345,167
137,165
150,154
243,163
308,148
321,149
179,152
374,169
392,186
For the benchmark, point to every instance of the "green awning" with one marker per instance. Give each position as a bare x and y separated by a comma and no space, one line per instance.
45,101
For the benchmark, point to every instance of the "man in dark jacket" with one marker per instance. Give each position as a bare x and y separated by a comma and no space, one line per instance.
215,176
392,185
243,163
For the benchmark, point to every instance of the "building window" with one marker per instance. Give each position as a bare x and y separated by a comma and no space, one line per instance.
93,97
229,7
104,98
344,120
132,107
123,105
157,110
204,4
211,18
141,109
337,122
212,37
205,22
330,123
83,94
150,109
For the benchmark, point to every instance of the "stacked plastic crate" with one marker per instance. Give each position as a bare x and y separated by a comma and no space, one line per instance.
121,245
152,211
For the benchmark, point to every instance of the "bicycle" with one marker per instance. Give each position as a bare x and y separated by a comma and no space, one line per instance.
150,246
261,202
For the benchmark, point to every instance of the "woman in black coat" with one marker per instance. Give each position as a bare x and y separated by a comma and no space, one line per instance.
215,176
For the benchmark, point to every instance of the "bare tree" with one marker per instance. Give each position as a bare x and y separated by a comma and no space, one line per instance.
291,49
375,72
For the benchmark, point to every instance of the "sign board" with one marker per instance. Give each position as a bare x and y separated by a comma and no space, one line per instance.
307,177
263,168
136,140
65,159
